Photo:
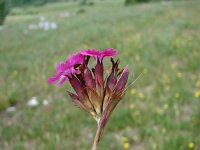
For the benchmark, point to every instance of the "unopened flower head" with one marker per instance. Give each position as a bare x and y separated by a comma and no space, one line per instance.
94,92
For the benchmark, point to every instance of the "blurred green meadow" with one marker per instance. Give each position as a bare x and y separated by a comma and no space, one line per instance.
160,112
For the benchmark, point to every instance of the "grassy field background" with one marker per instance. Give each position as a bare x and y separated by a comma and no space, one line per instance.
161,112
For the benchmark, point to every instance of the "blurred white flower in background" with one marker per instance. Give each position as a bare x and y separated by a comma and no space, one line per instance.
65,14
43,24
1,28
45,102
33,102
42,18
32,27
53,25
46,26
11,109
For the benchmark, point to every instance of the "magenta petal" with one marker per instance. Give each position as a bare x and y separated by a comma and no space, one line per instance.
60,67
62,80
67,68
122,81
108,52
68,72
99,54
54,78
74,60
89,52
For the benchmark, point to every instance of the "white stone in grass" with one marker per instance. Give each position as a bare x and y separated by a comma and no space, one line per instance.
32,27
1,28
33,102
45,102
41,25
164,2
11,109
46,26
42,18
65,14
53,25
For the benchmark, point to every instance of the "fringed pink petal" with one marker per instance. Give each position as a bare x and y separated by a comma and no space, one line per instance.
67,68
60,67
54,78
62,80
74,60
99,54
90,52
108,52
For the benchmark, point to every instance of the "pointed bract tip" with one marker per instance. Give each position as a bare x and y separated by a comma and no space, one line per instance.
125,70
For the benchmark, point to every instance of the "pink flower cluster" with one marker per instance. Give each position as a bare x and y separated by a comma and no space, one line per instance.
94,92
